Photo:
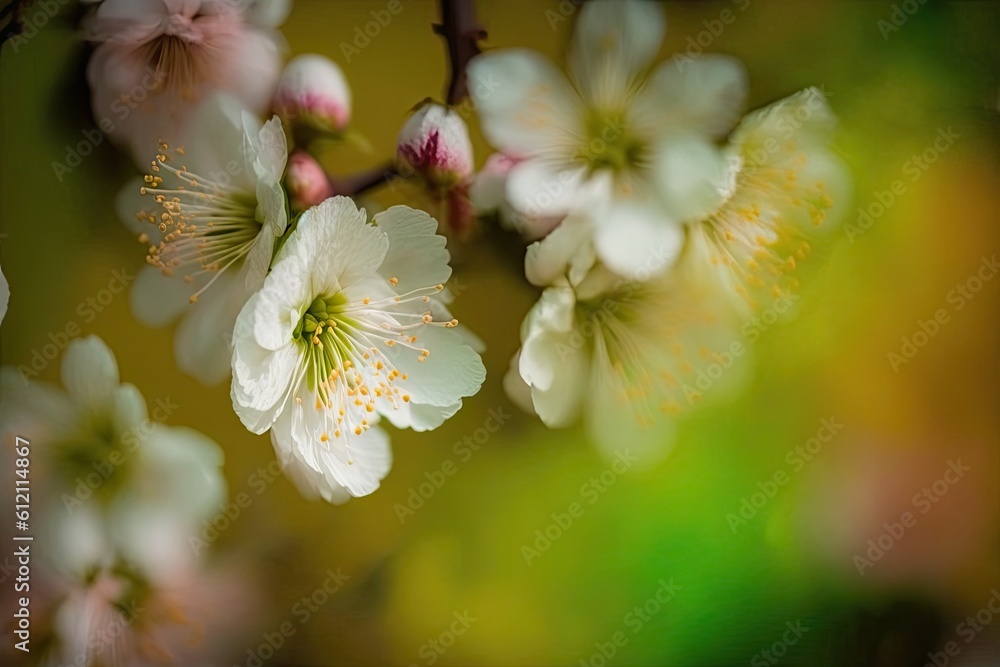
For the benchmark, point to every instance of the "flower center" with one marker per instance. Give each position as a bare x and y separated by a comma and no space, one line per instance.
208,226
348,347
757,234
609,143
177,59
97,448
646,355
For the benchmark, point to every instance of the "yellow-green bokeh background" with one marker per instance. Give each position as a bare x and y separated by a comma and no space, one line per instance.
462,550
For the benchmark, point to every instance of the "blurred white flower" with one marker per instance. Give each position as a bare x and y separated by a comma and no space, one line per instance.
122,616
312,97
784,182
132,487
306,182
625,355
157,60
488,196
211,214
434,143
263,13
349,327
634,149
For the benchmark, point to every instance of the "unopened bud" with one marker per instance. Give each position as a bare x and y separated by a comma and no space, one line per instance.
306,182
434,143
313,97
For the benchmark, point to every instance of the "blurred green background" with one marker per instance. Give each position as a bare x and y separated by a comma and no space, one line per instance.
462,551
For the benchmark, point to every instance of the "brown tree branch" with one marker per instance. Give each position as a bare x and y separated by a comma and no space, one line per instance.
461,32
11,18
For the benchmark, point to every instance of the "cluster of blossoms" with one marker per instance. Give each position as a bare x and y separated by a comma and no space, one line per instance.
326,319
658,221
657,224
122,492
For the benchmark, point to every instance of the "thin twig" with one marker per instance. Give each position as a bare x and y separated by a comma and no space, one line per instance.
362,181
461,32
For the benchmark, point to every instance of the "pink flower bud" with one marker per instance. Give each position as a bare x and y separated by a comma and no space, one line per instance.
306,182
435,143
312,94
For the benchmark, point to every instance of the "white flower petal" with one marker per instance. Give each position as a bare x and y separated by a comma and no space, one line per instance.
420,417
338,243
128,408
272,319
262,378
612,43
416,256
552,312
452,371
156,299
637,240
312,484
526,106
90,372
258,261
203,343
355,462
617,432
567,252
187,467
692,176
270,149
516,388
556,367
267,13
703,95
540,189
